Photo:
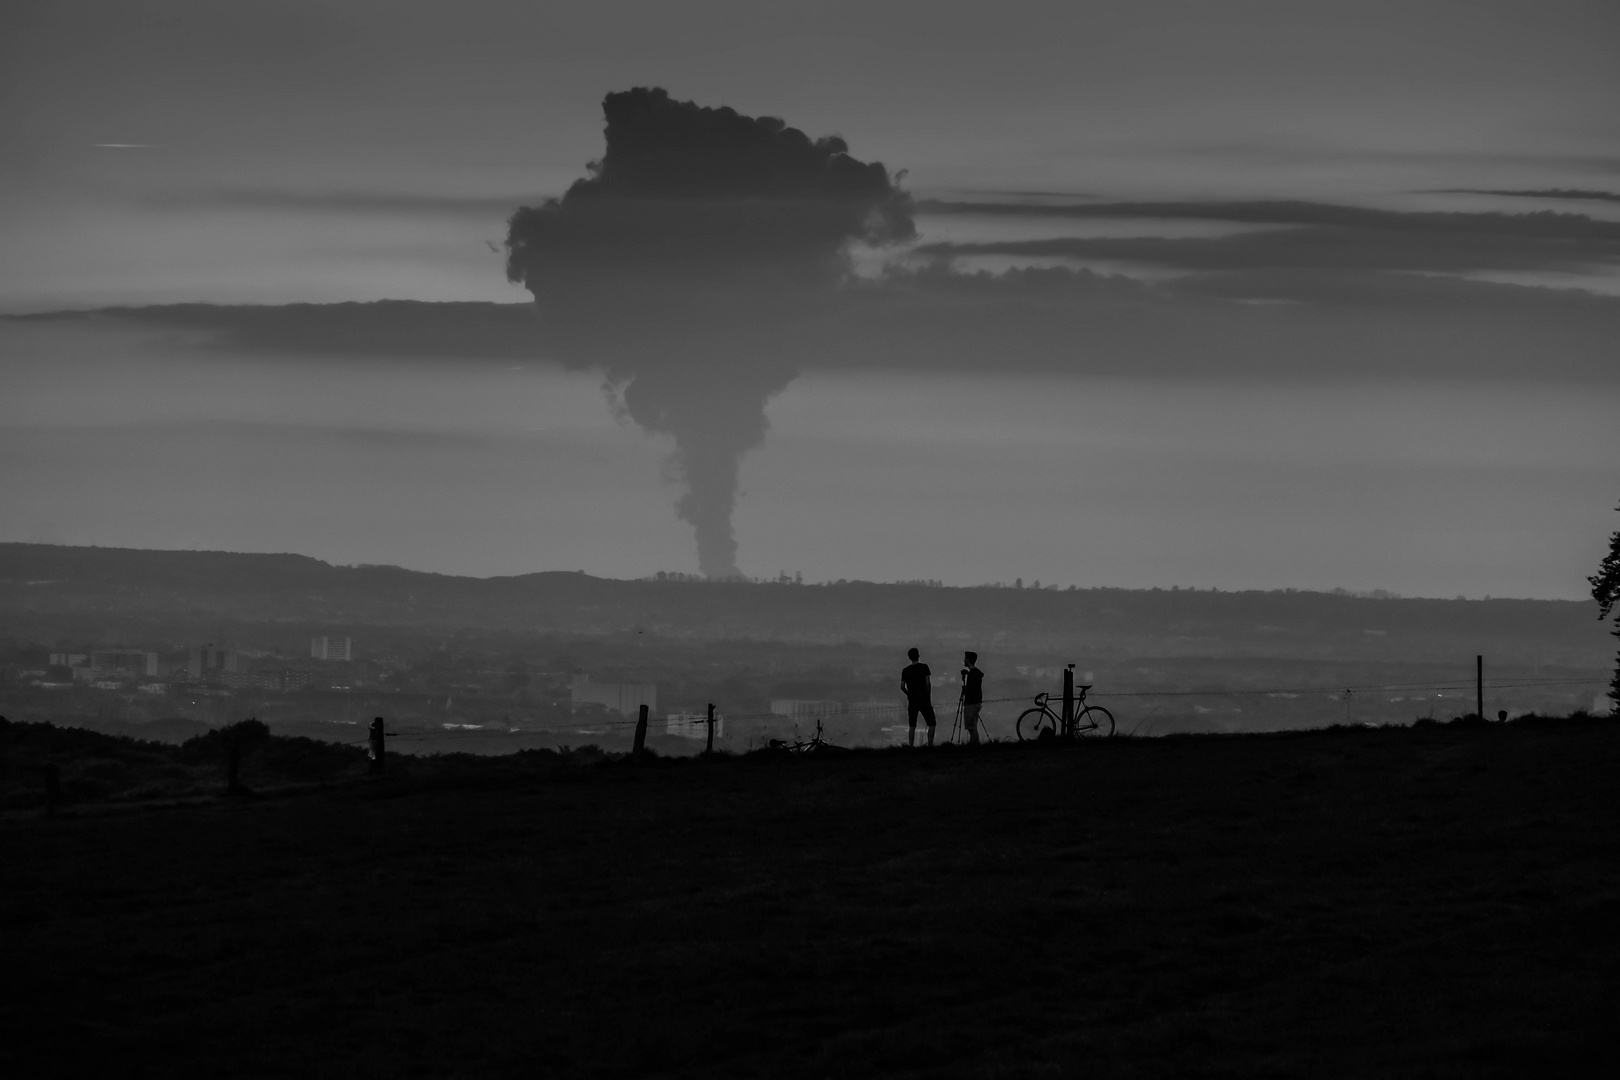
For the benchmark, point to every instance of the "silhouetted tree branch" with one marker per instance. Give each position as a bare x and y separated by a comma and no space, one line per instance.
1606,591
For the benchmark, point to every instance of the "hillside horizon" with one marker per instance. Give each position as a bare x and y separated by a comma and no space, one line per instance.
12,550
53,592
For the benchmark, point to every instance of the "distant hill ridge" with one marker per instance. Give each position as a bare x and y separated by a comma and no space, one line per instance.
98,582
389,328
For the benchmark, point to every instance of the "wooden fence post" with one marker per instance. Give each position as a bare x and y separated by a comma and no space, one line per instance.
710,748
641,733
1479,686
1068,701
53,787
379,749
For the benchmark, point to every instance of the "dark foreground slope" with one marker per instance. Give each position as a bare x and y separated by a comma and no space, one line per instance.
1440,900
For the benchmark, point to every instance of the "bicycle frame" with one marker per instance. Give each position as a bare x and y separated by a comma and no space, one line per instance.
1081,710
1044,700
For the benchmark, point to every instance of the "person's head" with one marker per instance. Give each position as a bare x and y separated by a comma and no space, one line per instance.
970,658
913,653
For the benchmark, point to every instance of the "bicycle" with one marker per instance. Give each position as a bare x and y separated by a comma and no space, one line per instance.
1042,723
798,746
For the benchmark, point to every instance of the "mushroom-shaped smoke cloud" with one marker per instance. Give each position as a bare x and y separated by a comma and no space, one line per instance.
700,249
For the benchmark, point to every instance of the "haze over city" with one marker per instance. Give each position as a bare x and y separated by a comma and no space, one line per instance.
1240,295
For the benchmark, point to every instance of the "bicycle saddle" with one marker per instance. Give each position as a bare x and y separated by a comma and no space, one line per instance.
1083,689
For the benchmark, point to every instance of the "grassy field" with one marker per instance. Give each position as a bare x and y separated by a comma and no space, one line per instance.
1442,900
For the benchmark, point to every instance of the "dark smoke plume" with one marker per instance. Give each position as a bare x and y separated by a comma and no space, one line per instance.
701,249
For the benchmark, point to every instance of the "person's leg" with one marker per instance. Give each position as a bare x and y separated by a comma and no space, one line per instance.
928,715
911,722
970,718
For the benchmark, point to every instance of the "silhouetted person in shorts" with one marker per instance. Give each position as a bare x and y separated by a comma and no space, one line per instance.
914,681
972,695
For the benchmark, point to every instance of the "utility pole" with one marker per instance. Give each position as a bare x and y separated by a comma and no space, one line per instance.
710,748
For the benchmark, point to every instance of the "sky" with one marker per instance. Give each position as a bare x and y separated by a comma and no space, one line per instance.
1230,294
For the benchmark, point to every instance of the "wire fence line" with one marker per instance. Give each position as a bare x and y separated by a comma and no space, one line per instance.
897,711
1336,689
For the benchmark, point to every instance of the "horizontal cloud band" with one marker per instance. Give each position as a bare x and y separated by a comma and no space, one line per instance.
1283,322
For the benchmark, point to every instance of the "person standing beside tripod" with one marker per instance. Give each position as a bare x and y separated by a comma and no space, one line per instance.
972,695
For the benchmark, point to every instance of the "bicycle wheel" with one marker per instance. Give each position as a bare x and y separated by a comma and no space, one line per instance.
1034,723
1094,720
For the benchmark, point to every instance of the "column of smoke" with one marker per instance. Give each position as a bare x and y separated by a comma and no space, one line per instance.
690,267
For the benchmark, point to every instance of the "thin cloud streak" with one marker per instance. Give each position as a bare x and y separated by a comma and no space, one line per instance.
1335,324
1575,194
1313,249
1279,152
391,203
1358,246
1299,212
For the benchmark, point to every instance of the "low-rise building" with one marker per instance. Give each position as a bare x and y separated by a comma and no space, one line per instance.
210,664
125,662
281,680
331,647
800,709
115,665
877,711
